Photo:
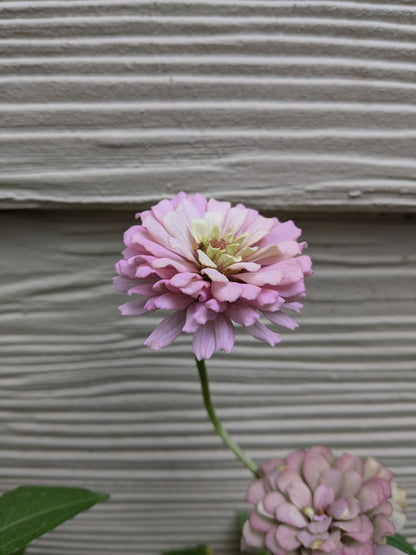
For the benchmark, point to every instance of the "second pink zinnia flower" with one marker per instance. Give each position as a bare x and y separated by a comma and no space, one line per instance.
213,264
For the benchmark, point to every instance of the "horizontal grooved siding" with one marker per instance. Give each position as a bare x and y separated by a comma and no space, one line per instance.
83,402
310,105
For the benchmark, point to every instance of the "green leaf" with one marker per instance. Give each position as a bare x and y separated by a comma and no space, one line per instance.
399,542
242,517
19,551
197,550
28,512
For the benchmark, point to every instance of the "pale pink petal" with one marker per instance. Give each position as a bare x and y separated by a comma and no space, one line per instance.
251,537
359,528
322,497
289,249
200,202
291,270
230,291
129,233
123,284
224,333
271,465
214,275
316,461
280,319
205,260
287,537
203,345
294,460
282,231
271,541
216,306
360,549
308,540
306,264
177,227
162,208
197,289
191,324
350,462
293,291
262,333
141,239
242,313
247,266
320,526
331,543
266,255
145,289
260,225
156,230
387,550
234,219
259,522
127,270
255,492
272,500
286,477
134,308
344,509
183,279
190,210
351,483
166,332
203,314
250,292
382,528
169,301
373,492
289,514
296,307
373,469
299,494
217,206
268,276
179,265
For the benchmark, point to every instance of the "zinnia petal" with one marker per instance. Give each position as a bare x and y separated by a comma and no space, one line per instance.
203,344
166,332
224,333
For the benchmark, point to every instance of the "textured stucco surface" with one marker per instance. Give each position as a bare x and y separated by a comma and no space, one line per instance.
309,105
304,110
83,402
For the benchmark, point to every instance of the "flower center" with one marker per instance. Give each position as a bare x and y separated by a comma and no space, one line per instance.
215,247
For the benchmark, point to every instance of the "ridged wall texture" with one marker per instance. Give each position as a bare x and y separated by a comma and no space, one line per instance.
303,110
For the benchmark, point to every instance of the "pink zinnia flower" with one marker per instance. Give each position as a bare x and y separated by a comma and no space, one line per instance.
212,264
313,503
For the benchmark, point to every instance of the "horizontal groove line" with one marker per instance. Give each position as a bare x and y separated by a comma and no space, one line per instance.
231,19
216,40
201,59
351,160
229,105
218,134
359,6
218,80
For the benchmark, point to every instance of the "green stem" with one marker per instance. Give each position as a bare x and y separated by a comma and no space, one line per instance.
238,452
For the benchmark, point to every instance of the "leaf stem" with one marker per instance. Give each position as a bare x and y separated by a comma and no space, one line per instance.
230,443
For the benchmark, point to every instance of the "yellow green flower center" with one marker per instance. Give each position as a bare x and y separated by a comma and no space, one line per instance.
217,248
